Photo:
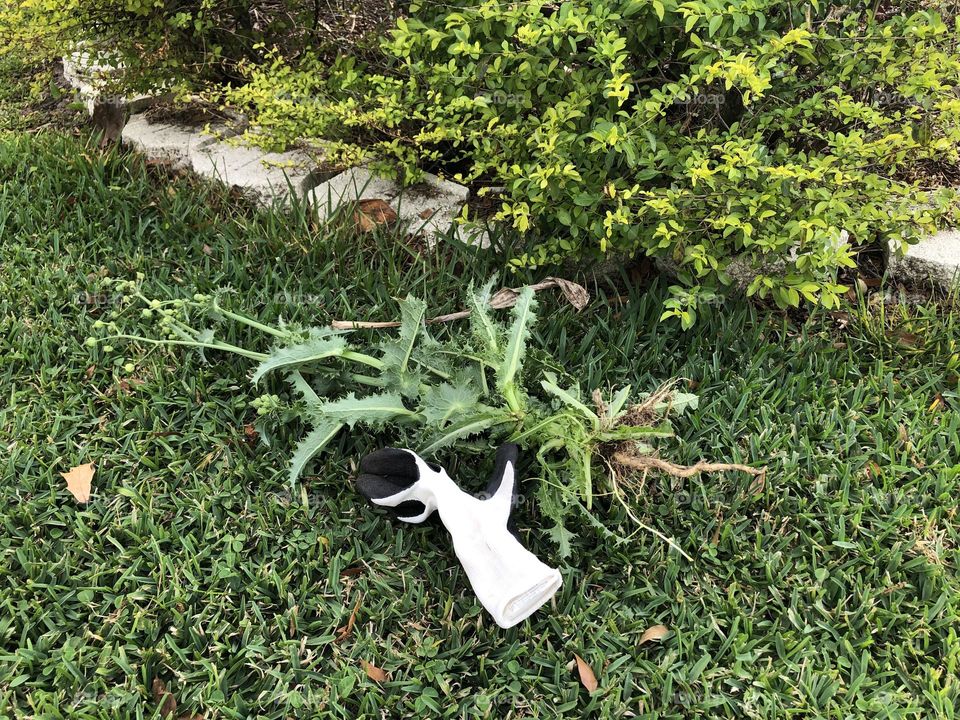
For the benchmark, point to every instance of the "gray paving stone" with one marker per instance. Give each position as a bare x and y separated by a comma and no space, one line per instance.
934,259
266,177
431,207
165,142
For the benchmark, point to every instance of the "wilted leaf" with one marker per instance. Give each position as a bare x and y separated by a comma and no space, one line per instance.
587,678
78,481
373,672
371,213
576,295
654,632
344,632
164,698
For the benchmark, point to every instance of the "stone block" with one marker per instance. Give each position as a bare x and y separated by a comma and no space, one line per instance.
934,259
430,207
265,176
168,143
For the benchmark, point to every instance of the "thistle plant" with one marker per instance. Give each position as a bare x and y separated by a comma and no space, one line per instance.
440,394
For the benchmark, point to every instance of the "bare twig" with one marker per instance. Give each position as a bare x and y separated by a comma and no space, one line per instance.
575,294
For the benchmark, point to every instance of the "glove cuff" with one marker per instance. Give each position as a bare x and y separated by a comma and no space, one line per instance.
509,580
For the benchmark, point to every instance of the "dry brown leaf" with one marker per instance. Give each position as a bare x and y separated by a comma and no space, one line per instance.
587,678
164,698
371,213
576,295
373,672
78,481
654,632
344,632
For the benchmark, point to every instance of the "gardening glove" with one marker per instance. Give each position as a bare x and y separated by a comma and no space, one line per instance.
509,580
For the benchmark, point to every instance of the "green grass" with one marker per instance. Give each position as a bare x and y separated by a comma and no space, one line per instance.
832,591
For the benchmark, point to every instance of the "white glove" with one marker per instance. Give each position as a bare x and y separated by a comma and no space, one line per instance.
508,579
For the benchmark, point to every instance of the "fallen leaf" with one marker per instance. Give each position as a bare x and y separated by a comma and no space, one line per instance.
344,632
373,672
78,481
164,698
654,632
587,678
371,213
905,338
90,371
576,295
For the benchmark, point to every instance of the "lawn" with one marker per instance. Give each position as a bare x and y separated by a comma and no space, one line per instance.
829,591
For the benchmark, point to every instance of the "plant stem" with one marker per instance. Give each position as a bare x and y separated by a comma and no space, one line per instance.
366,380
218,345
284,334
362,359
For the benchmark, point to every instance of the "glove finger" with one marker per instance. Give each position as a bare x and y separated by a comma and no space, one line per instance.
412,512
501,486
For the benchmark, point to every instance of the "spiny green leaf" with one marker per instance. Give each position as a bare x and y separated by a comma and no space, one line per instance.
405,381
619,401
561,536
412,313
523,317
313,350
445,401
302,388
482,325
465,427
569,397
312,443
370,410
397,354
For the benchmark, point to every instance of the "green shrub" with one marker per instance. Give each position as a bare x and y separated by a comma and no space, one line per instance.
169,41
701,132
